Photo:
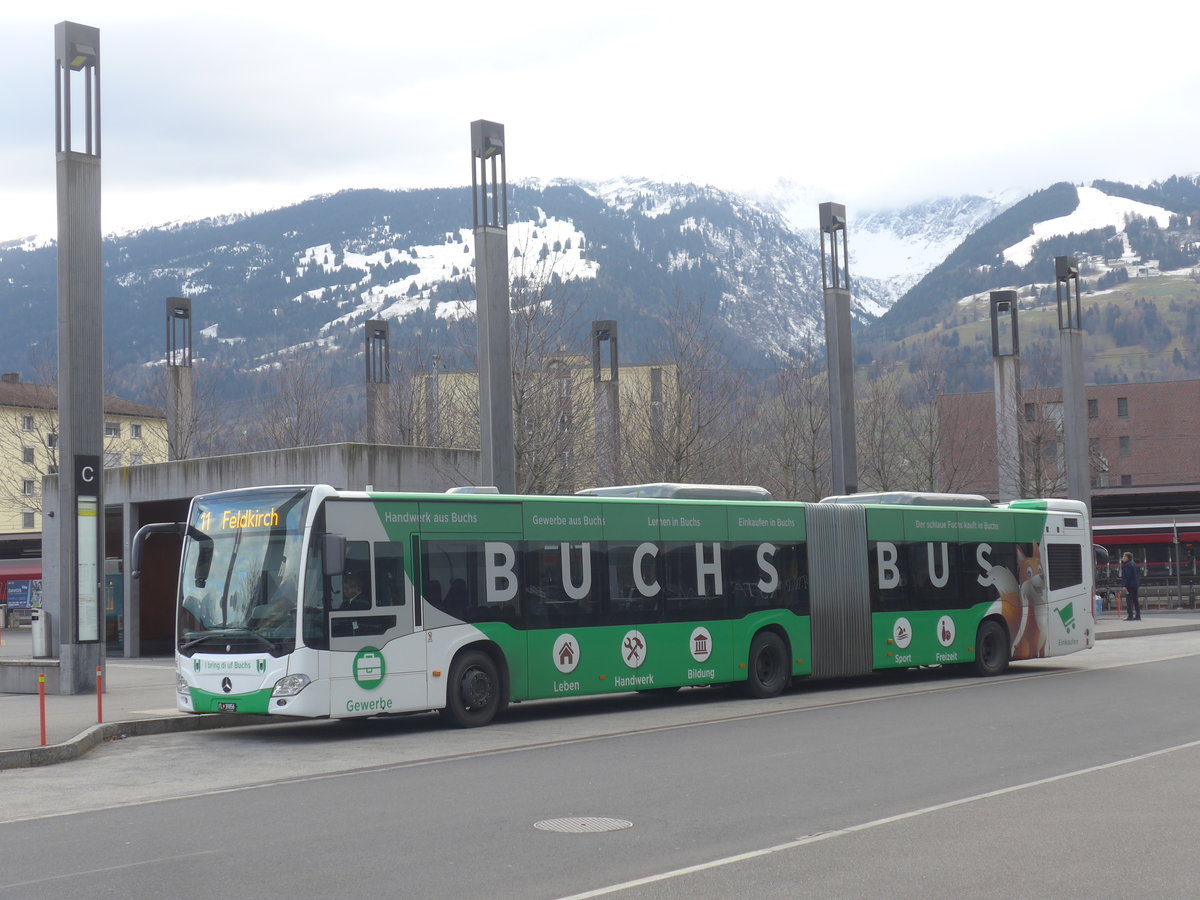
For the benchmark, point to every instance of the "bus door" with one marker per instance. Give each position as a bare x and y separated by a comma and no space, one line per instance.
376,662
1068,576
470,583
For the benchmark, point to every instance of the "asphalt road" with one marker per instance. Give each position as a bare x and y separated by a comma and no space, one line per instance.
1077,777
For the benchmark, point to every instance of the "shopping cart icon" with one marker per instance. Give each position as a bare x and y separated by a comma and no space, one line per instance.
1067,614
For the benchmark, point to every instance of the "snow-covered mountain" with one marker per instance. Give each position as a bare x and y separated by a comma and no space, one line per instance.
629,249
1108,225
900,247
894,248
311,274
1096,210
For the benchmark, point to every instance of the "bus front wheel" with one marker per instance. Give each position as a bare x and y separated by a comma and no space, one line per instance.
767,666
473,691
991,648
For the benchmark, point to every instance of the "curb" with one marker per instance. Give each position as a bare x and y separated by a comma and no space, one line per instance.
115,731
1140,632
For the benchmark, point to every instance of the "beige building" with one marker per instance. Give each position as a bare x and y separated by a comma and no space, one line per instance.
134,434
555,406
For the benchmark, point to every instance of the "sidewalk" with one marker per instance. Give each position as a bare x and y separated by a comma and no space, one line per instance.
139,698
1112,625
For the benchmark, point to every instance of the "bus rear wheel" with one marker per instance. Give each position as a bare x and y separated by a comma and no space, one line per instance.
473,691
991,648
767,666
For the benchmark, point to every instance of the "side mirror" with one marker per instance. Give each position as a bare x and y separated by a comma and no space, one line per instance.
204,561
334,549
143,533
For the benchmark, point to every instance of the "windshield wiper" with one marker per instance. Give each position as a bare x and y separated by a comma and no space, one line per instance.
204,637
232,634
271,645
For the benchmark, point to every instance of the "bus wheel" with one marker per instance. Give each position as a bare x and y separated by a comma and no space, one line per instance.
991,648
473,691
768,666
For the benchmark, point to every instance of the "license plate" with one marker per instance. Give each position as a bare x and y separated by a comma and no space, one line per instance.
226,707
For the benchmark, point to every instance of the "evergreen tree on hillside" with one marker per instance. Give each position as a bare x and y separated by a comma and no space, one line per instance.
1177,194
977,264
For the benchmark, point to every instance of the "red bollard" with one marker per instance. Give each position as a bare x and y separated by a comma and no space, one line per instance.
42,704
99,696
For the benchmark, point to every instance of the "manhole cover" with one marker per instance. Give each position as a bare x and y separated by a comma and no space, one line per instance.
582,824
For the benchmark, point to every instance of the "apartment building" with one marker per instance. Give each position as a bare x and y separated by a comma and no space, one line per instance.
134,434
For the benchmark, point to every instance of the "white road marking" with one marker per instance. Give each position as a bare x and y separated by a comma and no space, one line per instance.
83,873
865,826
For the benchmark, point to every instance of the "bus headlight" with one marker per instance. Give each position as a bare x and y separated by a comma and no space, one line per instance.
181,685
290,685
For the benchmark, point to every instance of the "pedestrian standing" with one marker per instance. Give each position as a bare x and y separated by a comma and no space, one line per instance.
1129,578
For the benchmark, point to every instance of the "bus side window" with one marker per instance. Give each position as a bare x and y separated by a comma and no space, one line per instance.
633,597
887,565
690,590
932,574
432,592
353,589
439,564
1065,562
315,625
457,601
389,574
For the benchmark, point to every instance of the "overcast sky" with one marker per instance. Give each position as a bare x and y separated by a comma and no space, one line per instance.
233,107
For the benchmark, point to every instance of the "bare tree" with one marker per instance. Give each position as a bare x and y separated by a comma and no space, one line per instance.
884,459
550,406
942,449
197,430
297,405
1044,464
1042,470
682,432
402,418
31,436
794,434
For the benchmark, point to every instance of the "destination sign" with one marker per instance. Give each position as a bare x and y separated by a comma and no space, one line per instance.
215,516
244,518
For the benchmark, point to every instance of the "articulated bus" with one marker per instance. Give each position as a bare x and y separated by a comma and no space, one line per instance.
312,601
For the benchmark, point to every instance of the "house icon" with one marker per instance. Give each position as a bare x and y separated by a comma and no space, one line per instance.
566,655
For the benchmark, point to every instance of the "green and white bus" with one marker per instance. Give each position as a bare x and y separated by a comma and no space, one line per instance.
312,601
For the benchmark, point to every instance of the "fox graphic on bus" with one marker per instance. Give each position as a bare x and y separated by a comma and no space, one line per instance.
1024,603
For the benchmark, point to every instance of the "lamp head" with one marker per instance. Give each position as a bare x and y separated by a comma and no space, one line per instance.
77,46
833,217
487,139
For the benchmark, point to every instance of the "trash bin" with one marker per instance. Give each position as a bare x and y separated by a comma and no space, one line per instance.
41,634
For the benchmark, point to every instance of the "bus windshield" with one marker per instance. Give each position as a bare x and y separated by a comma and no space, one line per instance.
240,573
